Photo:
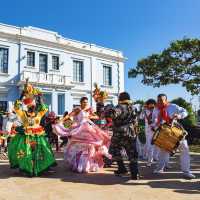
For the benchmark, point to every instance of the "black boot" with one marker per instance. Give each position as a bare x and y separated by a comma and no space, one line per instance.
107,162
121,169
134,170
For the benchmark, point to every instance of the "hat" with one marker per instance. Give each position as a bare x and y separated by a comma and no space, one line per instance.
30,91
99,94
124,96
51,115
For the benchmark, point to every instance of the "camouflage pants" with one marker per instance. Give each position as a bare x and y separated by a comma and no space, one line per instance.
129,143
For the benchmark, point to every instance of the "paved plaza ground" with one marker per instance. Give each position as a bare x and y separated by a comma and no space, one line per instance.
63,184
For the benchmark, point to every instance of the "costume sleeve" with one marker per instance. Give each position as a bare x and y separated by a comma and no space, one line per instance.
182,112
60,130
17,109
42,109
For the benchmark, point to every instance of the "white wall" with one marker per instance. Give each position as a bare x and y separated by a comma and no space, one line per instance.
91,62
12,60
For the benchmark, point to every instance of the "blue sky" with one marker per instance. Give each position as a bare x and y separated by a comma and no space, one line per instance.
136,27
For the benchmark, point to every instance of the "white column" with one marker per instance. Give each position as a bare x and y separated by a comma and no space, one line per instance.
49,62
121,77
94,78
68,101
11,96
10,106
23,58
55,102
37,61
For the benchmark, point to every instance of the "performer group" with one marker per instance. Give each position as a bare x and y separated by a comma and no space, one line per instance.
93,139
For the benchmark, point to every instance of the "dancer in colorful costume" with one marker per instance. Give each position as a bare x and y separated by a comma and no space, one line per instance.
8,129
87,142
103,122
29,150
100,97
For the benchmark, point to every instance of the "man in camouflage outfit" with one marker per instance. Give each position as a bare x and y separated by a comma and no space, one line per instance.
124,121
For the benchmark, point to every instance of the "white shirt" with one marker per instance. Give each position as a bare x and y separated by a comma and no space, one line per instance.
171,110
144,115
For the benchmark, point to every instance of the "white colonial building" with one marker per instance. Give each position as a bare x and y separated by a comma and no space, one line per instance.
64,69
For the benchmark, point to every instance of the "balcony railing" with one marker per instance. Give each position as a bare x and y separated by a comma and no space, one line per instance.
40,78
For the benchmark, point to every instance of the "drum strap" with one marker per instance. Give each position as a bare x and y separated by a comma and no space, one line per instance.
148,117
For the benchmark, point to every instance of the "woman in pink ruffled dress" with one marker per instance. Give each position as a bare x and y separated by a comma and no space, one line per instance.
87,142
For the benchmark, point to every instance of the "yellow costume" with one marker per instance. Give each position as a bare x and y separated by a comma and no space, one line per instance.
29,150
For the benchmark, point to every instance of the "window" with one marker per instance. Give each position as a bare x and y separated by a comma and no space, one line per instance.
55,62
3,60
30,58
43,63
78,71
107,75
3,106
61,104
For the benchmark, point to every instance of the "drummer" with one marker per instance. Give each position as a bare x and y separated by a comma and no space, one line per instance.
166,112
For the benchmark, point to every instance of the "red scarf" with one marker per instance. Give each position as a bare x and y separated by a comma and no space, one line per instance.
163,115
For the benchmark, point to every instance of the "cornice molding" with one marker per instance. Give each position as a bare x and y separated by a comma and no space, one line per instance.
50,86
67,47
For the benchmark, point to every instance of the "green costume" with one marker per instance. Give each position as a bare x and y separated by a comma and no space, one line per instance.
29,150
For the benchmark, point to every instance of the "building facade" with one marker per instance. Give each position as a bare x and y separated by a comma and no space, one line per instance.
64,69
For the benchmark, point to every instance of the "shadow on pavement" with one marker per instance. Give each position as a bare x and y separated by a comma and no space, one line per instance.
172,179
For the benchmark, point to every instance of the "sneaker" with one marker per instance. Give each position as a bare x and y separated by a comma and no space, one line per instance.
158,171
189,175
135,177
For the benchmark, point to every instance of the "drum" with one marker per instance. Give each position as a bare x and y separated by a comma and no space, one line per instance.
168,137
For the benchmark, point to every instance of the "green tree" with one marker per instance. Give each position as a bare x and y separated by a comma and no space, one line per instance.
141,122
190,120
178,64
140,103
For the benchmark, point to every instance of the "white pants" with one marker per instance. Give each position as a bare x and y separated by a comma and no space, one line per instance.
151,151
140,148
184,157
156,152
